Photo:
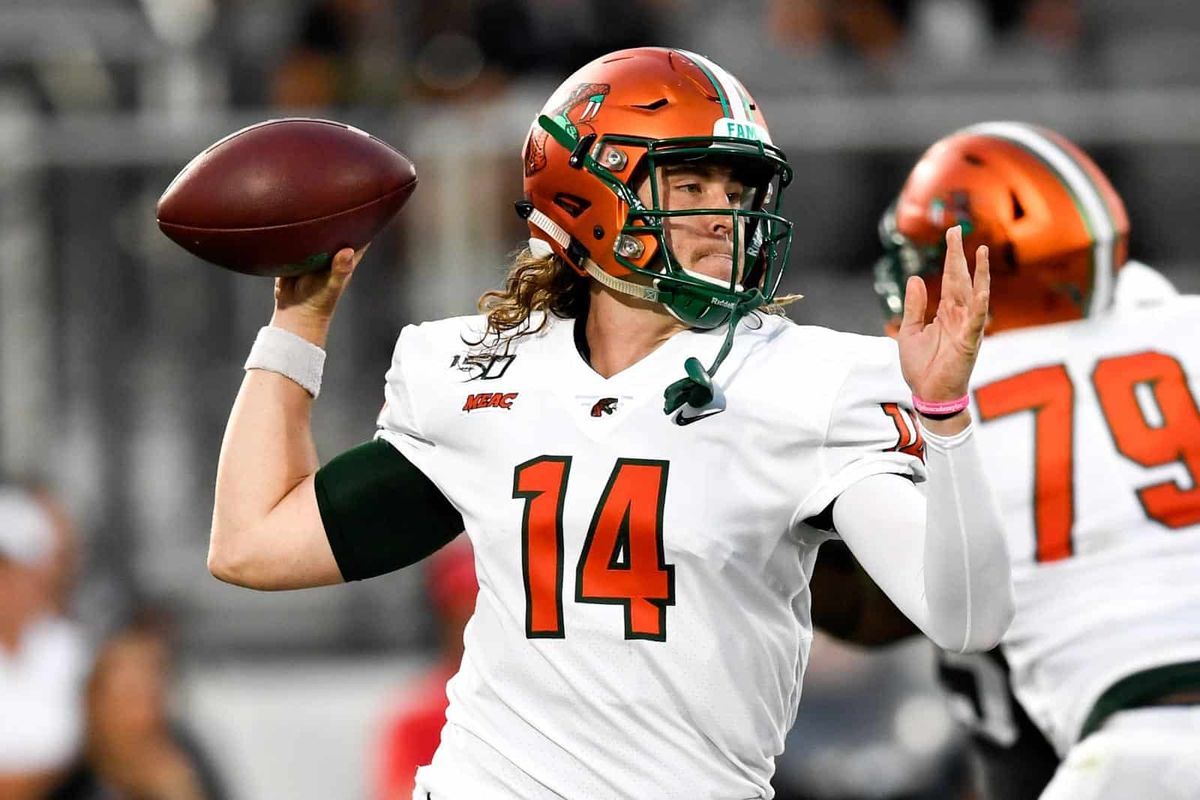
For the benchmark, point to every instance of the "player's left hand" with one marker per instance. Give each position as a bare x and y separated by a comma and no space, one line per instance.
937,358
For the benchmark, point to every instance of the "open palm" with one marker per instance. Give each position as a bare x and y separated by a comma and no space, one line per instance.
937,358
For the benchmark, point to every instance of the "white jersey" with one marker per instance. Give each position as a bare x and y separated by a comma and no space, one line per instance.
642,624
1091,435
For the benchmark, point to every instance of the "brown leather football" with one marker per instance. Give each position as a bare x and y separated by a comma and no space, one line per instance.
281,197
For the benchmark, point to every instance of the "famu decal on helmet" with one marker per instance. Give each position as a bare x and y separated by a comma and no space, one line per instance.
741,129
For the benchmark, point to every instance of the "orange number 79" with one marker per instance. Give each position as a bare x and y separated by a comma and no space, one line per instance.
1172,437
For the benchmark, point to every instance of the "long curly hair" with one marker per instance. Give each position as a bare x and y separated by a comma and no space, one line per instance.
534,283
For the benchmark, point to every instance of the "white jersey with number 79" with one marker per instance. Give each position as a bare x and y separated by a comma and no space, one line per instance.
1091,433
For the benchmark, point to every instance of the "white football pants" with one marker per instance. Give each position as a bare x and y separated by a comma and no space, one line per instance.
1141,753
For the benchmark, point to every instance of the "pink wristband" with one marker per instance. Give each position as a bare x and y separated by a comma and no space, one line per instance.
946,409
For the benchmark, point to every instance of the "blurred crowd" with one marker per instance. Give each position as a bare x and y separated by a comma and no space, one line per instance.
355,53
81,717
345,51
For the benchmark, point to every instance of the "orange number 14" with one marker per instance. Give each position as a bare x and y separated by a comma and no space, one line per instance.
622,561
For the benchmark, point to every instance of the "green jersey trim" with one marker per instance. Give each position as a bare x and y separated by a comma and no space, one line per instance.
1142,689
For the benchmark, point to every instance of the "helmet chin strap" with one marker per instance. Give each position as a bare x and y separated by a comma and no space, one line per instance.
540,247
696,388
638,290
700,276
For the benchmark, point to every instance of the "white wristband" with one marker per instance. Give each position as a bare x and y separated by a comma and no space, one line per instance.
292,356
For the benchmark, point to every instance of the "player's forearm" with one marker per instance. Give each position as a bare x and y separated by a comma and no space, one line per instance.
267,452
967,577
940,556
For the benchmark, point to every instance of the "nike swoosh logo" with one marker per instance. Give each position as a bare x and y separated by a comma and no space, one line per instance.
682,419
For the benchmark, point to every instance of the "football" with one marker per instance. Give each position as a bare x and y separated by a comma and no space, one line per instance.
281,197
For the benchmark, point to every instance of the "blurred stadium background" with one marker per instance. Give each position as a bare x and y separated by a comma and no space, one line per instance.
121,354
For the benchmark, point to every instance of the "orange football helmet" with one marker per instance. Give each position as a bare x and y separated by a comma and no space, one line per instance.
605,130
1056,230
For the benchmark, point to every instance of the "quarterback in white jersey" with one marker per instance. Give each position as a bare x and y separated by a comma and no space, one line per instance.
627,536
1086,401
643,544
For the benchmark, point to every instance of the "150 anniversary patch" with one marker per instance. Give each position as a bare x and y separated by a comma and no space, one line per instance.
482,366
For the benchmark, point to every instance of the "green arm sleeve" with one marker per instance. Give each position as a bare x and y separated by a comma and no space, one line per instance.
380,512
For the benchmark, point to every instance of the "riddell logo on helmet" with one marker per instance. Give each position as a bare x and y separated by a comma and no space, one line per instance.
489,400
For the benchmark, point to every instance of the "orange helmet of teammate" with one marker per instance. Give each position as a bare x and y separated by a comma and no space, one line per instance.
604,132
1056,230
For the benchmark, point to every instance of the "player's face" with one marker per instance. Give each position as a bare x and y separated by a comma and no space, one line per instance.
701,243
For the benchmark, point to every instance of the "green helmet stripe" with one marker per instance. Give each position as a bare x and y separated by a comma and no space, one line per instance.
739,98
722,82
1089,200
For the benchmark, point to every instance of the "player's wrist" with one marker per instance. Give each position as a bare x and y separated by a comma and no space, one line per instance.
286,353
946,426
305,323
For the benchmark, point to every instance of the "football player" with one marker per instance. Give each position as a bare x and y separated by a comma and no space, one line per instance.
1086,392
643,541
